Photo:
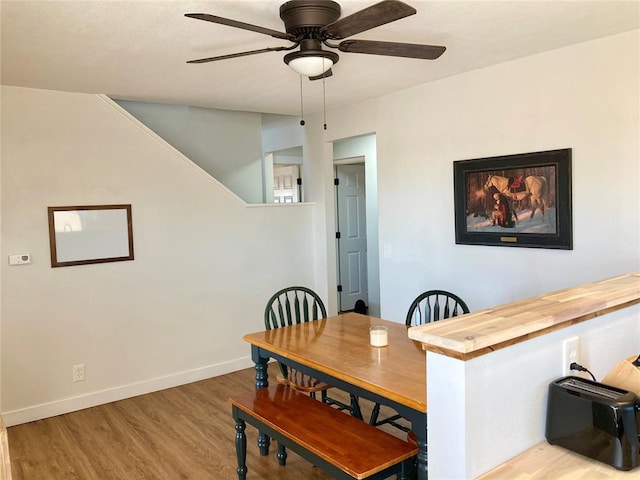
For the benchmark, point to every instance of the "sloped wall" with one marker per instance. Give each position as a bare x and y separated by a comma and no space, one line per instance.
205,263
225,144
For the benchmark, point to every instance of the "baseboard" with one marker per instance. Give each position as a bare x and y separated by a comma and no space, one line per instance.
72,404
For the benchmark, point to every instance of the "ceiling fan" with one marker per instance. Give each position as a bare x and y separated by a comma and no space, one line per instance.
311,23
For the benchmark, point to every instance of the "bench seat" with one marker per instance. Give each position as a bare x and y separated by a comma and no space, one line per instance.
342,446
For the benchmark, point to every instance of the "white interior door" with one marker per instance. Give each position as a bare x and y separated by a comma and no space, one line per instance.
285,183
352,226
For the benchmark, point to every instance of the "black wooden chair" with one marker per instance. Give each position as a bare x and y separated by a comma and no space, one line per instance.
429,306
294,305
434,305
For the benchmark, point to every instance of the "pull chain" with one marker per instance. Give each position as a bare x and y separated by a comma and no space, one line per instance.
301,104
324,102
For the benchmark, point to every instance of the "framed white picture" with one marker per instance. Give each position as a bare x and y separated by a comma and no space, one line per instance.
90,234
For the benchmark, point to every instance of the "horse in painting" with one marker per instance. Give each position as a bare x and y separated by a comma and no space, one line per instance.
535,189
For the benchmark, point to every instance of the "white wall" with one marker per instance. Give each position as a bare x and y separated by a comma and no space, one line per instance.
227,145
176,313
281,132
584,97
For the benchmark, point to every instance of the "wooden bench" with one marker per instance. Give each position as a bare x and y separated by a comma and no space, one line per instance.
342,446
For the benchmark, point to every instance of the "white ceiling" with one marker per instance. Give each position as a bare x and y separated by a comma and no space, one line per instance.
137,50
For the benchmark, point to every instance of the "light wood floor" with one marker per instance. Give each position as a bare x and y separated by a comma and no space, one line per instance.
180,433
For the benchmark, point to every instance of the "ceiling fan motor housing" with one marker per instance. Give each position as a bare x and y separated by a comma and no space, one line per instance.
309,24
311,47
307,17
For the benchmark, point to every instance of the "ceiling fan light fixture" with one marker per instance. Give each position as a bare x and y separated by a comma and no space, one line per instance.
311,63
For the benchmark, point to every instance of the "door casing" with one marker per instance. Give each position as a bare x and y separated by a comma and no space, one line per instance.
351,223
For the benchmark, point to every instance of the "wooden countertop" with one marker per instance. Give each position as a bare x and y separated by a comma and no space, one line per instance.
545,461
479,333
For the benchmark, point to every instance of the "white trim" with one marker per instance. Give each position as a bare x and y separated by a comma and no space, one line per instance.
350,160
72,404
278,205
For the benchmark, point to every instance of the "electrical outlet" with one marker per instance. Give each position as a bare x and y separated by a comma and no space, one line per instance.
78,372
570,354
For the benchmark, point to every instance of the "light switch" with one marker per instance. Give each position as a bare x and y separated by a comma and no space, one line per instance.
20,259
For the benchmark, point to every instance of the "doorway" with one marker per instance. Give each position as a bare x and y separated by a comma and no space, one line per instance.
351,235
282,176
286,185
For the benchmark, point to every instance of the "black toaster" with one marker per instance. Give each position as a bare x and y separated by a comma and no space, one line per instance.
595,420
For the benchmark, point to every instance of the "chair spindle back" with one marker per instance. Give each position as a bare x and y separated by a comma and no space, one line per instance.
434,305
293,305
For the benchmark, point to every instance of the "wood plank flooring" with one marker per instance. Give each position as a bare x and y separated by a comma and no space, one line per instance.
180,433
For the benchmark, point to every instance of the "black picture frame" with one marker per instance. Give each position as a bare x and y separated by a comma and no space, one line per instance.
498,200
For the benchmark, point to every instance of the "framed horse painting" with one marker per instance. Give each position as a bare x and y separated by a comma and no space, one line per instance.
521,200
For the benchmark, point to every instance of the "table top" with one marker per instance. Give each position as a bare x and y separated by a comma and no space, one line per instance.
339,346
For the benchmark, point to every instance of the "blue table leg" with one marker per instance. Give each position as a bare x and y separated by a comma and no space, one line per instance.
262,376
355,407
262,381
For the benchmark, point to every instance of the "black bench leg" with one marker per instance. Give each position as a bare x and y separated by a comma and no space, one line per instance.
281,455
422,461
263,443
241,449
406,469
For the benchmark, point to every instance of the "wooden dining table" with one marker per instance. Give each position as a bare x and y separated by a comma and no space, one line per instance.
336,350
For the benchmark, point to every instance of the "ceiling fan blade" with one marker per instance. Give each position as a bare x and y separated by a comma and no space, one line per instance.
241,54
326,74
384,12
409,50
234,23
